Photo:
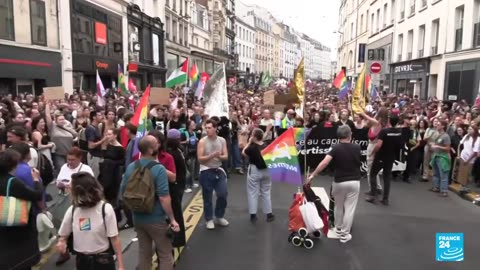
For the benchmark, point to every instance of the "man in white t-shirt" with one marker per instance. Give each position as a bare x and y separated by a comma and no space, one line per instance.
73,165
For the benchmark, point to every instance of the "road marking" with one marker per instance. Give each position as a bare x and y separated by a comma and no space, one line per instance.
191,216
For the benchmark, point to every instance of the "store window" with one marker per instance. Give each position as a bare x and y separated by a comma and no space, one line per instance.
6,17
37,22
461,80
172,62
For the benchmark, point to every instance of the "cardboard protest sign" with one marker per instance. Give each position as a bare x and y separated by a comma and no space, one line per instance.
159,96
54,93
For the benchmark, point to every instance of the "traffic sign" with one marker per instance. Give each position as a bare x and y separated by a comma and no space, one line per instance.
375,67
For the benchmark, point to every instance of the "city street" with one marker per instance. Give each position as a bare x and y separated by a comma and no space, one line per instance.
401,236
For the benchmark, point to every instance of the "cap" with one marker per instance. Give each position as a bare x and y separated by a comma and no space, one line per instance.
173,134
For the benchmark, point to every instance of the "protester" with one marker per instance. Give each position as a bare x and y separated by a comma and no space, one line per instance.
346,186
259,182
212,151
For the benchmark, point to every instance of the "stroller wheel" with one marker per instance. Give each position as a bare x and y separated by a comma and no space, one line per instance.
302,232
291,236
308,244
296,241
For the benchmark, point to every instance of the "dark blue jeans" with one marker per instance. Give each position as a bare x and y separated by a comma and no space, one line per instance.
214,179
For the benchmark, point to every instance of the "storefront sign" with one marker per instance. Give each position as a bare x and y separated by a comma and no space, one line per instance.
100,33
408,68
101,65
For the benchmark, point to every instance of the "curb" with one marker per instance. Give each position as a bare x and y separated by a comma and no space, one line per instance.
469,196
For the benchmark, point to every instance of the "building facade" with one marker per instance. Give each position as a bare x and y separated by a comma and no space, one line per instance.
30,55
201,46
177,32
245,43
291,51
425,47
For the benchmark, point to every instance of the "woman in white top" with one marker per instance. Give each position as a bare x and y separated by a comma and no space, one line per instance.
471,145
93,225
73,165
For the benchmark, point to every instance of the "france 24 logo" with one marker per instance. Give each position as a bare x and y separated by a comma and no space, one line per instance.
449,247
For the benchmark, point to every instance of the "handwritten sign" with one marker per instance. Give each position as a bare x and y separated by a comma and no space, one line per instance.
269,97
54,93
159,96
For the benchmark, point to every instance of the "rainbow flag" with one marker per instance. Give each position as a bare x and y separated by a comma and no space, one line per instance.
193,75
301,134
281,157
122,87
368,84
341,83
140,119
201,84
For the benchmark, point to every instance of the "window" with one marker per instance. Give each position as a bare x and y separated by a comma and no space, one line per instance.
6,19
372,22
81,34
385,10
37,22
409,45
185,33
458,27
378,20
434,37
392,11
167,27
133,36
476,24
400,48
114,33
156,49
174,31
352,34
361,23
421,40
402,9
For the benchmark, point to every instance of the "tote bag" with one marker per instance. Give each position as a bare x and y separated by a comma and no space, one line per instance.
13,211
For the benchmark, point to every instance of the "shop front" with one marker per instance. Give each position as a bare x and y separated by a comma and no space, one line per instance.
410,77
462,80
204,62
24,70
146,53
378,54
96,45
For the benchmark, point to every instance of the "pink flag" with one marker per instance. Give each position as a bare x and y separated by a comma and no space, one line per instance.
100,91
131,86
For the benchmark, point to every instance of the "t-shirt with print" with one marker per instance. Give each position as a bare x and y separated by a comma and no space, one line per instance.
392,143
89,233
469,148
442,140
161,189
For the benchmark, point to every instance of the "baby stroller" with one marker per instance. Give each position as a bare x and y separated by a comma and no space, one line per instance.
300,233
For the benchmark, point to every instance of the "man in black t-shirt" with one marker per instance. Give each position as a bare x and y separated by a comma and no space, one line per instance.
390,141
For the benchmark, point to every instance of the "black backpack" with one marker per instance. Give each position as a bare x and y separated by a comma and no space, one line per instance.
45,167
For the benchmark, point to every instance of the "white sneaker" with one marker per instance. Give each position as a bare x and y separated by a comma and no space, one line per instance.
188,190
210,225
346,238
222,222
195,185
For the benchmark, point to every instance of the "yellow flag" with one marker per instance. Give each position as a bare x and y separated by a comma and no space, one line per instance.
298,87
358,96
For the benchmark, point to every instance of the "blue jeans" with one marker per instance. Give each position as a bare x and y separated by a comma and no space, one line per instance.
193,168
214,179
235,153
440,177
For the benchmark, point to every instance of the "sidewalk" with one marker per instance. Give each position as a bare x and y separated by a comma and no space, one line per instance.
470,193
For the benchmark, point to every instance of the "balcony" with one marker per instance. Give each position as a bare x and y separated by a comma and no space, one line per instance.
220,52
409,56
420,53
399,58
434,50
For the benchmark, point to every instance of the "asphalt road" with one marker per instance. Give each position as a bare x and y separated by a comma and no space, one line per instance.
400,236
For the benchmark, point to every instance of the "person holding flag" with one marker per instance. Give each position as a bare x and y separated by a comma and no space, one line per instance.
346,185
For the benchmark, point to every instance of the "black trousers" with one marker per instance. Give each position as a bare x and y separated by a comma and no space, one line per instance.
378,165
93,262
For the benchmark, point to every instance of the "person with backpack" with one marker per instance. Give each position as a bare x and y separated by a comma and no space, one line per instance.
92,224
145,191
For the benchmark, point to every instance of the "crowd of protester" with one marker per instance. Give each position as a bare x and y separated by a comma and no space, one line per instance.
87,152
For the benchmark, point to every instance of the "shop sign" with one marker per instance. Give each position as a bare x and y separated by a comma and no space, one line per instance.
408,68
100,33
101,65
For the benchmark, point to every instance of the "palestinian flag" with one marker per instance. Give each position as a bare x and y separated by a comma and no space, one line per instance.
178,76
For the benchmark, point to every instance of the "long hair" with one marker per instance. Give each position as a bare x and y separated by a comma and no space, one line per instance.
86,190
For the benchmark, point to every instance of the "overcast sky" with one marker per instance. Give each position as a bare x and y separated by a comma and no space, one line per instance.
316,18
